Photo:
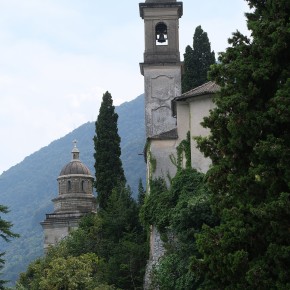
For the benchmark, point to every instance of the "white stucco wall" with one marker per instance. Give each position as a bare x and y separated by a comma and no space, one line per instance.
161,150
199,108
190,114
183,120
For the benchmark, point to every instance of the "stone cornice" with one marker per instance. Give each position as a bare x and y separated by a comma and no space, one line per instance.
178,5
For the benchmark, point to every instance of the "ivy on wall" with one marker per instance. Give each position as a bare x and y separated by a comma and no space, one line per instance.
179,212
183,152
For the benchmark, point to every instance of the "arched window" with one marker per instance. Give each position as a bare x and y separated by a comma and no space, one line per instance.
83,185
69,185
161,34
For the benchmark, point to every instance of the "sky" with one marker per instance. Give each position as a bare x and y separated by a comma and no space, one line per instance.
58,58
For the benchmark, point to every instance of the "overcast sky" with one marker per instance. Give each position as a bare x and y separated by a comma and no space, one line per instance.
58,57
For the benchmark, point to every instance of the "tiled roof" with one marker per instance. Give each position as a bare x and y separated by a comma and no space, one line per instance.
172,134
205,89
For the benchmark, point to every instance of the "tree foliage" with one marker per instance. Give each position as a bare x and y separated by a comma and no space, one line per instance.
123,241
5,234
249,146
30,203
110,246
108,165
63,272
197,61
141,193
178,212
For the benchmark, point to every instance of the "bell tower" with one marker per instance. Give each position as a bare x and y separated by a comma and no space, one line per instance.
161,67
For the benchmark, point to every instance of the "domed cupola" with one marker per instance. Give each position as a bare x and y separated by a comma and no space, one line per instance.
75,166
75,177
75,199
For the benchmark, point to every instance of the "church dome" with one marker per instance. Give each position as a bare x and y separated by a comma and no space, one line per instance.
75,166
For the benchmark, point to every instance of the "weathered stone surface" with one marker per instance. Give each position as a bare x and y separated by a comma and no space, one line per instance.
74,200
162,85
156,252
168,114
162,76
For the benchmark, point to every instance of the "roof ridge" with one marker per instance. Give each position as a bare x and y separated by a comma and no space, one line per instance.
209,87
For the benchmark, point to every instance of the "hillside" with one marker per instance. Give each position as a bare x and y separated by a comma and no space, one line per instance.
28,187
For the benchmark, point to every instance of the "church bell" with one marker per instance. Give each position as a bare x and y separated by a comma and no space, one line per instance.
161,38
161,32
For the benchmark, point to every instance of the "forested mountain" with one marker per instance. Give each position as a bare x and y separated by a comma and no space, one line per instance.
28,187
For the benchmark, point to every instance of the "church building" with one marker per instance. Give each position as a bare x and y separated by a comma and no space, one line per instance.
75,199
169,114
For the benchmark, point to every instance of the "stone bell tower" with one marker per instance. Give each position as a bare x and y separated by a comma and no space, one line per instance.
162,78
161,67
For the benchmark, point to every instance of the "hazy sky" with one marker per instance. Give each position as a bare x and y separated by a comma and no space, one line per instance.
58,57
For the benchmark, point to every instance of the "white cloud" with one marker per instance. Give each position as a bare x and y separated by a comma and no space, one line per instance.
58,57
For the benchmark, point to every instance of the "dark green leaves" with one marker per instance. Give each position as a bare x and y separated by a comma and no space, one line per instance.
197,61
249,146
108,165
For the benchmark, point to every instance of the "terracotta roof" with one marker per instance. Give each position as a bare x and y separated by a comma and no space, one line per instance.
172,134
205,89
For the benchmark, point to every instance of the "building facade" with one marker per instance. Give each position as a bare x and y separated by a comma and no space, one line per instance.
161,69
169,115
75,199
189,110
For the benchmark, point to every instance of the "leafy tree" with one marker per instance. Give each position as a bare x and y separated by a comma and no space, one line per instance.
62,272
117,237
108,165
123,241
249,146
114,237
5,234
179,213
197,61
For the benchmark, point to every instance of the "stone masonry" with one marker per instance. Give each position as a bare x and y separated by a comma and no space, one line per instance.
75,199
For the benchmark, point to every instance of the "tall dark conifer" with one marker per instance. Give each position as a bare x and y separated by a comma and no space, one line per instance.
249,146
197,61
108,165
5,234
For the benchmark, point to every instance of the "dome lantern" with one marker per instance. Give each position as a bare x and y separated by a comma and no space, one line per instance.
75,152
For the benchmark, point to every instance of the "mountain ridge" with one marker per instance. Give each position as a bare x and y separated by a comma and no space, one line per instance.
28,187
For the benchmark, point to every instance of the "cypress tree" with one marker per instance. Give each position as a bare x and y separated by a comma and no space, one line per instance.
108,165
141,193
197,61
249,146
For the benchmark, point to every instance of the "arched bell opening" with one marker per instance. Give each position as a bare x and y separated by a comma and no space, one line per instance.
161,34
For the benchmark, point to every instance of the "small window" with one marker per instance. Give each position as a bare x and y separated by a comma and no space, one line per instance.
161,34
83,185
69,185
